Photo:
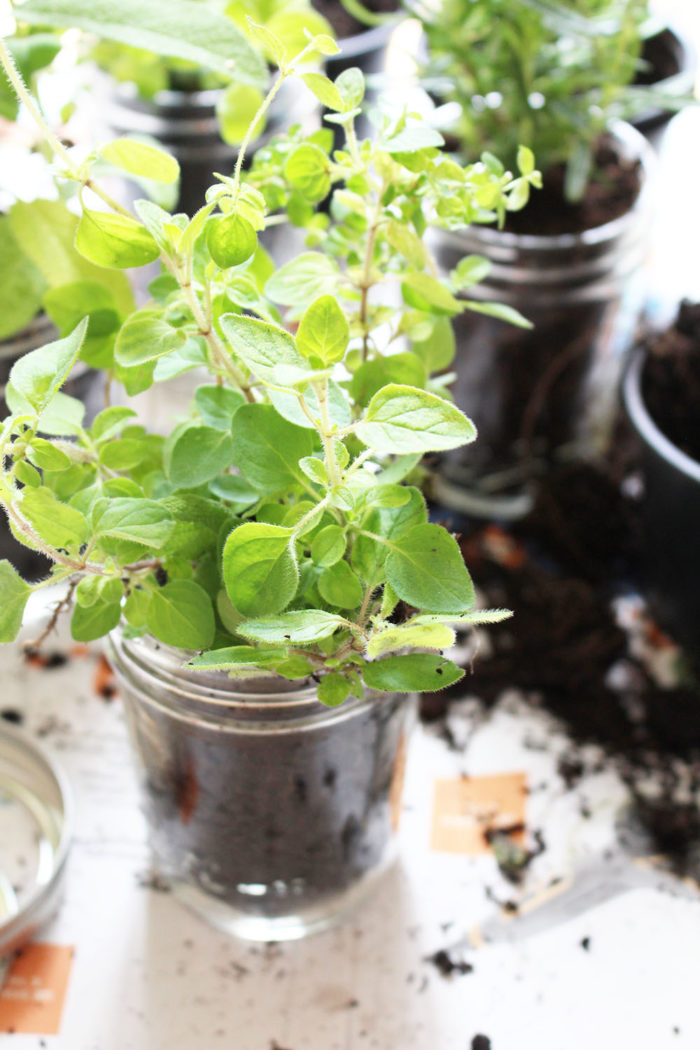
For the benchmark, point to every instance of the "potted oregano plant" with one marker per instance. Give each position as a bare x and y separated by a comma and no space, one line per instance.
266,574
553,76
661,393
45,282
196,102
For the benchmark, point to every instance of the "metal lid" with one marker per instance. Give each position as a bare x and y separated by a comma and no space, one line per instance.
36,817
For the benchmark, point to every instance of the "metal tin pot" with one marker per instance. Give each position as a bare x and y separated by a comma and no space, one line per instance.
535,395
678,52
84,384
671,518
269,814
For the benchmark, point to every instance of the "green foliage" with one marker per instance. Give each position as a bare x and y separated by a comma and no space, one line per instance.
275,528
40,268
548,73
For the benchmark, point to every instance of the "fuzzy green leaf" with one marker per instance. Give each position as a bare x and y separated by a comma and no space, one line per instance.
403,419
137,520
114,241
90,622
293,628
58,524
198,454
324,331
411,636
333,690
146,336
181,614
14,593
425,567
261,345
267,449
415,672
37,376
180,29
259,570
142,160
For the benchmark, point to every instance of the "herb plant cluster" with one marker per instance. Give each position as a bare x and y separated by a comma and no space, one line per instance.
275,529
550,74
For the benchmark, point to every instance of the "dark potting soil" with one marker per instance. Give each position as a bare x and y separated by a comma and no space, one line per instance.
271,823
671,380
612,191
558,571
343,23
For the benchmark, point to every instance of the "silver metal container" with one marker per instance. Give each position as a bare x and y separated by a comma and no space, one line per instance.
36,819
270,815
539,394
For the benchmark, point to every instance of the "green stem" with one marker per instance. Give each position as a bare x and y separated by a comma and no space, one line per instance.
252,129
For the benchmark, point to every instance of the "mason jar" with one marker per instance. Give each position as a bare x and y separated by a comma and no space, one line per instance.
269,814
538,394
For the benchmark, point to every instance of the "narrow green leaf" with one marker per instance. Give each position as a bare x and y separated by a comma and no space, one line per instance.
411,636
293,628
413,673
235,656
500,311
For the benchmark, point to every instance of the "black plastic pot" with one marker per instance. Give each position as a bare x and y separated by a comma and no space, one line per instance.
541,394
665,50
83,384
671,518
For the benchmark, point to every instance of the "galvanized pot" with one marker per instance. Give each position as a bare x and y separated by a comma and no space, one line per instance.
269,814
538,394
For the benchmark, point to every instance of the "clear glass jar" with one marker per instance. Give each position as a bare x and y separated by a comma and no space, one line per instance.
269,814
540,393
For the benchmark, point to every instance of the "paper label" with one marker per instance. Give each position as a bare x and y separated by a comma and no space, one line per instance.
33,992
465,807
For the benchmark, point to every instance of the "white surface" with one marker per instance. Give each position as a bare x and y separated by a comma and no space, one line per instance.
147,975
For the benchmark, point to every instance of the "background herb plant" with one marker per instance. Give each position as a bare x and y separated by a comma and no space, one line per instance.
274,529
549,74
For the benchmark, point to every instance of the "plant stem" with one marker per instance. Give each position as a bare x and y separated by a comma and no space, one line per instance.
252,129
